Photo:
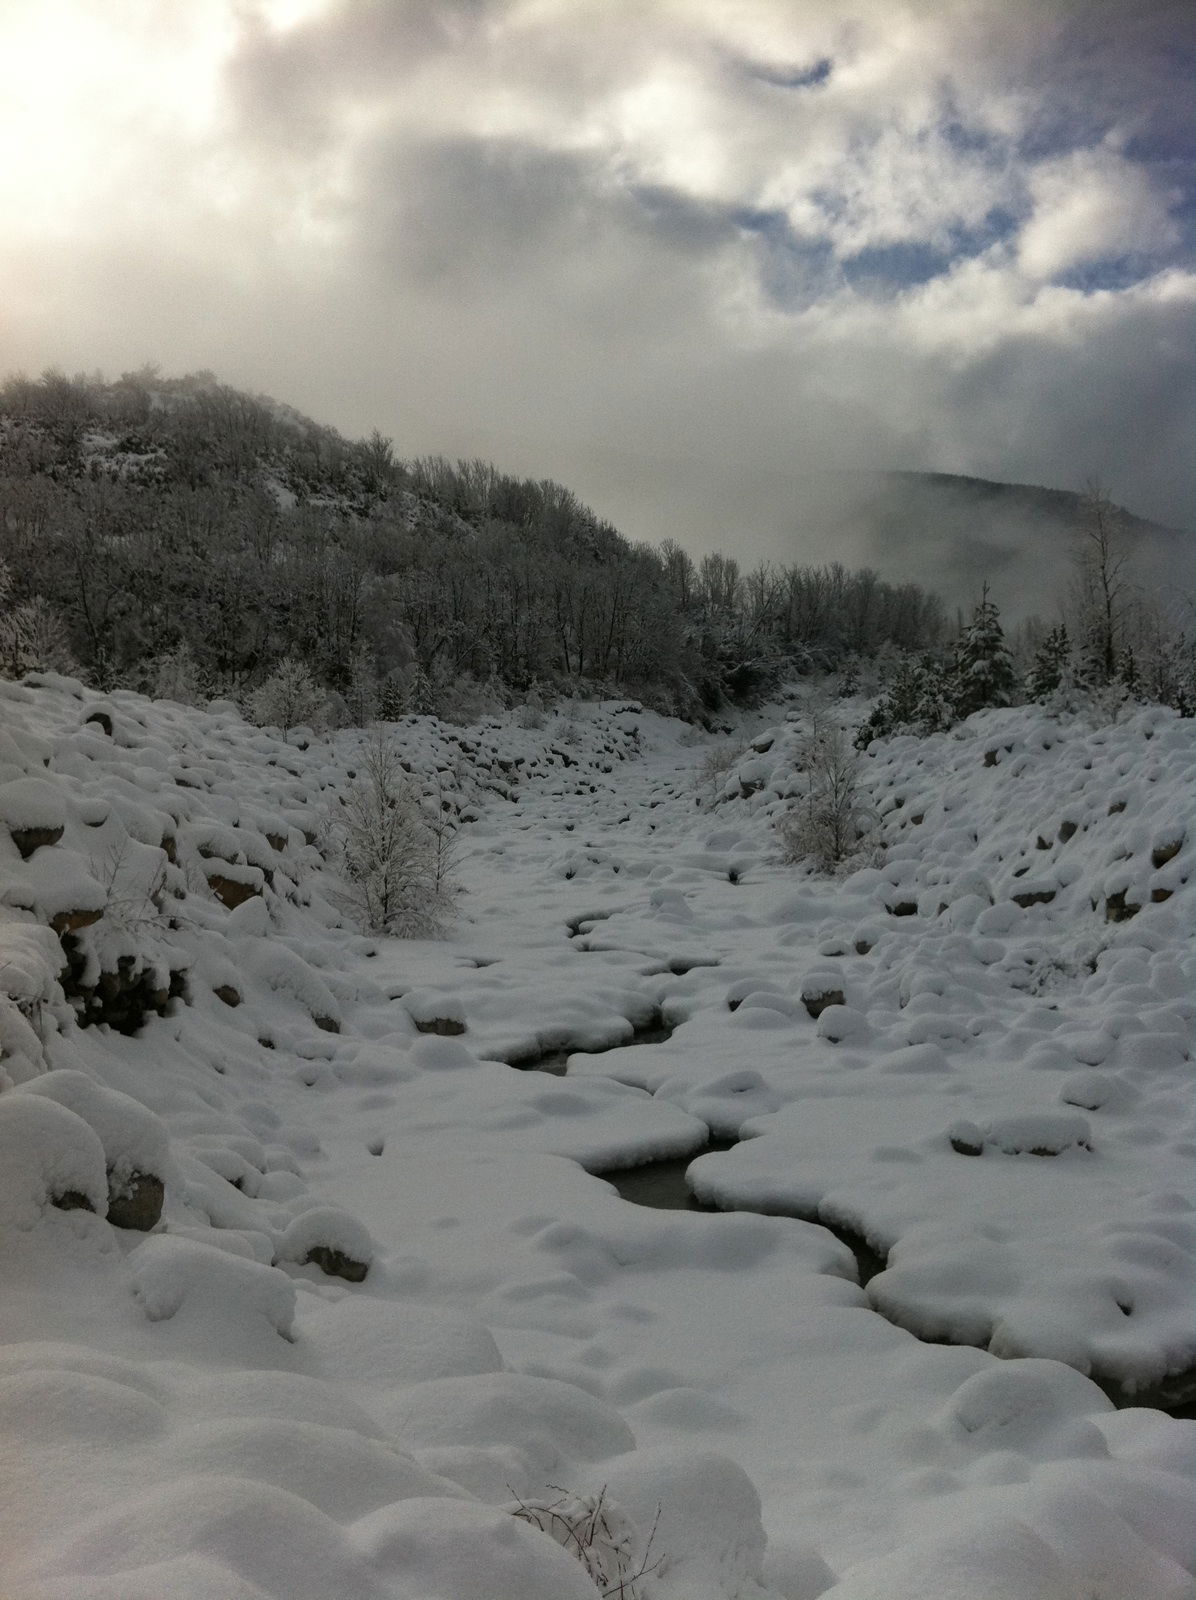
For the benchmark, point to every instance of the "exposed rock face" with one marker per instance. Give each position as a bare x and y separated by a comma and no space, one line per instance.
72,1200
226,992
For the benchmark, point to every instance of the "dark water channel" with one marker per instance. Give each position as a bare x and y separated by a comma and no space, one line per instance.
661,1185
655,1031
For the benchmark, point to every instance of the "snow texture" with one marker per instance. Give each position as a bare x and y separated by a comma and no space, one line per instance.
971,1052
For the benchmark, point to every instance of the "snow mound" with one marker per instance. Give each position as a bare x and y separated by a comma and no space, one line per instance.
49,1157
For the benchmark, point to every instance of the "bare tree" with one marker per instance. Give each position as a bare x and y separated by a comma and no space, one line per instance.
1102,588
832,820
396,866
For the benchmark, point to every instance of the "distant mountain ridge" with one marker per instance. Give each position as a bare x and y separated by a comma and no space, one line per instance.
957,533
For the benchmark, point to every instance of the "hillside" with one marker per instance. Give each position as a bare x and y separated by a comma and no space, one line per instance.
180,537
391,1301
1018,538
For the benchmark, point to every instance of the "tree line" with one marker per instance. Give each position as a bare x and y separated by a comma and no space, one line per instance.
179,536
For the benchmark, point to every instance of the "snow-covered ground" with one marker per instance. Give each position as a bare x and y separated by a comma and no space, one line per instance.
995,1093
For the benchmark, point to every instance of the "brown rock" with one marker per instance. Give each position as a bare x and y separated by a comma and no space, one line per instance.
226,992
1116,909
137,1203
27,840
445,1027
816,1004
336,1263
72,921
231,892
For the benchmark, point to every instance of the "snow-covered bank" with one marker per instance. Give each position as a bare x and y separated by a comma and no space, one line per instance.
207,1411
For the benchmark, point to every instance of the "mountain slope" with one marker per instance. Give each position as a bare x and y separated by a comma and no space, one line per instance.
1018,538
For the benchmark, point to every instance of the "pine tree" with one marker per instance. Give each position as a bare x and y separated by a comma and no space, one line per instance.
1052,666
1128,672
916,699
982,673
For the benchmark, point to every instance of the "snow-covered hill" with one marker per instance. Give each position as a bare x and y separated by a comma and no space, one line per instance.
391,1336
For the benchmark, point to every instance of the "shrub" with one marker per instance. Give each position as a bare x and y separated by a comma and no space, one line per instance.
289,698
832,819
599,1534
395,864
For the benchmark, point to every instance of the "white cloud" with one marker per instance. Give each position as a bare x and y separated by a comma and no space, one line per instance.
1091,205
611,240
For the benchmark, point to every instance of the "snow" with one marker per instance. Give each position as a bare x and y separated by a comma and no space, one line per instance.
994,1094
134,1140
46,1153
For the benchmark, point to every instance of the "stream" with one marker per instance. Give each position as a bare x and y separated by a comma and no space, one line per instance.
661,1185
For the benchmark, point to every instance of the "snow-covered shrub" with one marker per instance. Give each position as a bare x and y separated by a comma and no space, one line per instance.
32,635
30,959
176,675
531,713
395,866
831,820
916,699
714,768
601,1536
289,697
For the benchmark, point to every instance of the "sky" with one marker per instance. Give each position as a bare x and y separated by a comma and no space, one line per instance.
681,255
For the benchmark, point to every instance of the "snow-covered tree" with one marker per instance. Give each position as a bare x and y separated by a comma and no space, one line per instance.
832,818
396,869
289,697
1051,669
982,672
917,699
177,676
32,637
1101,590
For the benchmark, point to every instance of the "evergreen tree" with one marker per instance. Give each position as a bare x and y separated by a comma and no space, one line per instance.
1052,666
1128,673
916,699
982,672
